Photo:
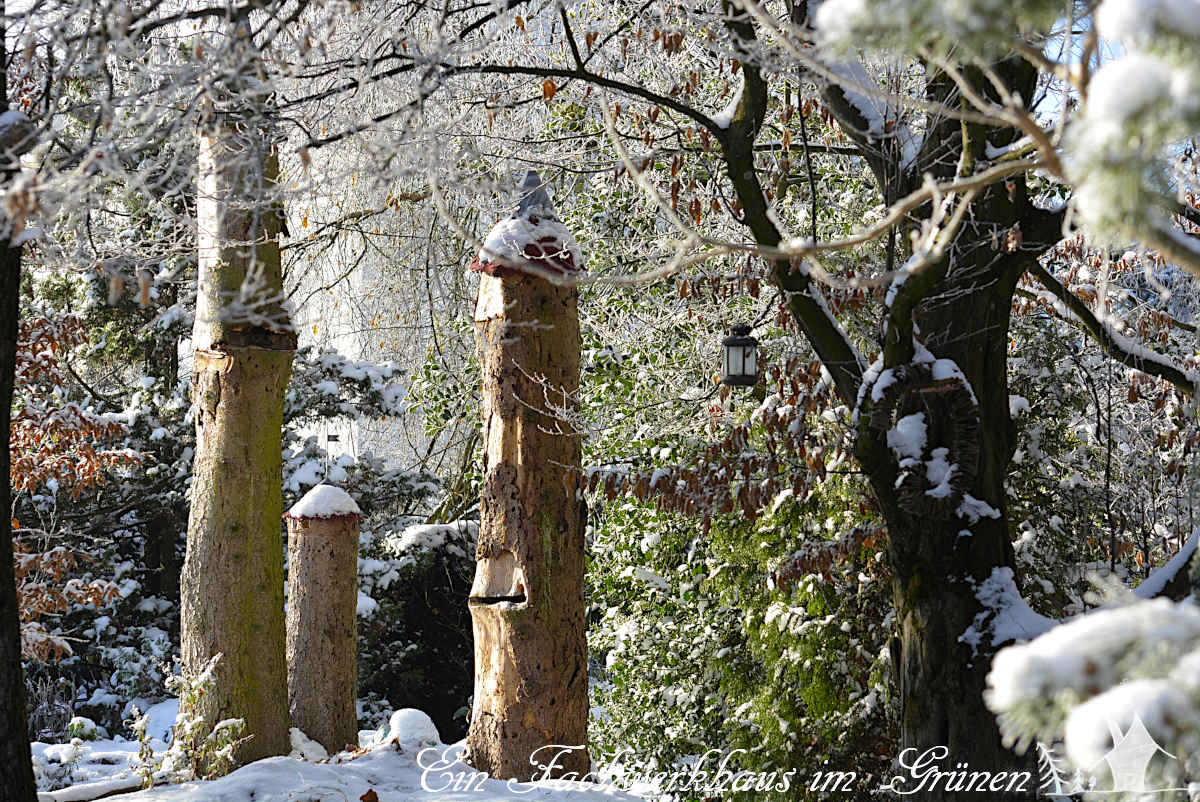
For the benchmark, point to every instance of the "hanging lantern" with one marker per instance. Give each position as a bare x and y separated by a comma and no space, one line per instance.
740,366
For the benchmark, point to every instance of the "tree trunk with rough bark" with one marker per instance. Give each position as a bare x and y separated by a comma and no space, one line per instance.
16,766
527,599
943,548
956,307
232,579
16,762
322,624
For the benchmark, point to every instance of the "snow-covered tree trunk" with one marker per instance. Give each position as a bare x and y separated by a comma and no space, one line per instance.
526,602
941,550
947,533
322,619
232,579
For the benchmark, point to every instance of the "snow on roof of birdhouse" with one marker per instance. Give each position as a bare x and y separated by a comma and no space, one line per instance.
324,501
533,233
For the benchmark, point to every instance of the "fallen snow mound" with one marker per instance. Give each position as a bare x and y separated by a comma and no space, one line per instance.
412,728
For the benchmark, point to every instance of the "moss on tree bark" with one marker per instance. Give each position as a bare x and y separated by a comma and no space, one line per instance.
232,579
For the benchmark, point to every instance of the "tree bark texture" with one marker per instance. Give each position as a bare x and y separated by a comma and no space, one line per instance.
232,578
939,553
526,602
16,766
958,308
16,762
322,626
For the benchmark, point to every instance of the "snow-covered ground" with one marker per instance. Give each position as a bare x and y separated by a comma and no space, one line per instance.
98,766
404,762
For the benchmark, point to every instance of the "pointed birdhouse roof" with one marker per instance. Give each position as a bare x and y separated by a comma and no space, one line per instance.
534,200
531,235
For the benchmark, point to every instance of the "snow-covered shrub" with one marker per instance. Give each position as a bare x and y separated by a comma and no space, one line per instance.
85,729
653,643
304,747
198,750
1089,682
54,767
410,728
326,384
713,642
48,699
415,646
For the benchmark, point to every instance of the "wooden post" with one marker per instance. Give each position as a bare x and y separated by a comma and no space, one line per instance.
526,602
322,620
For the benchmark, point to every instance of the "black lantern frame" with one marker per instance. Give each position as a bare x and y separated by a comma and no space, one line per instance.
739,363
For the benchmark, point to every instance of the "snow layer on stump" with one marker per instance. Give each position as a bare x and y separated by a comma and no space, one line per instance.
533,235
324,501
543,241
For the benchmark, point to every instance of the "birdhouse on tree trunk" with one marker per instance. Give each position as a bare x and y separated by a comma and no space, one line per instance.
526,603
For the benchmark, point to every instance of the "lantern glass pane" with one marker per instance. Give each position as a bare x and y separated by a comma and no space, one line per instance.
750,360
735,360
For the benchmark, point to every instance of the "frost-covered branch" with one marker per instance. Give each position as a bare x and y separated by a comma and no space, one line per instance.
1116,345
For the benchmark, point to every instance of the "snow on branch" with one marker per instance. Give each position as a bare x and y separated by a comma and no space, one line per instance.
1115,344
1162,576
1102,671
1006,615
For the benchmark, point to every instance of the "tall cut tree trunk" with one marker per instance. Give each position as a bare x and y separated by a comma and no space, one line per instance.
232,579
527,601
527,607
322,620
